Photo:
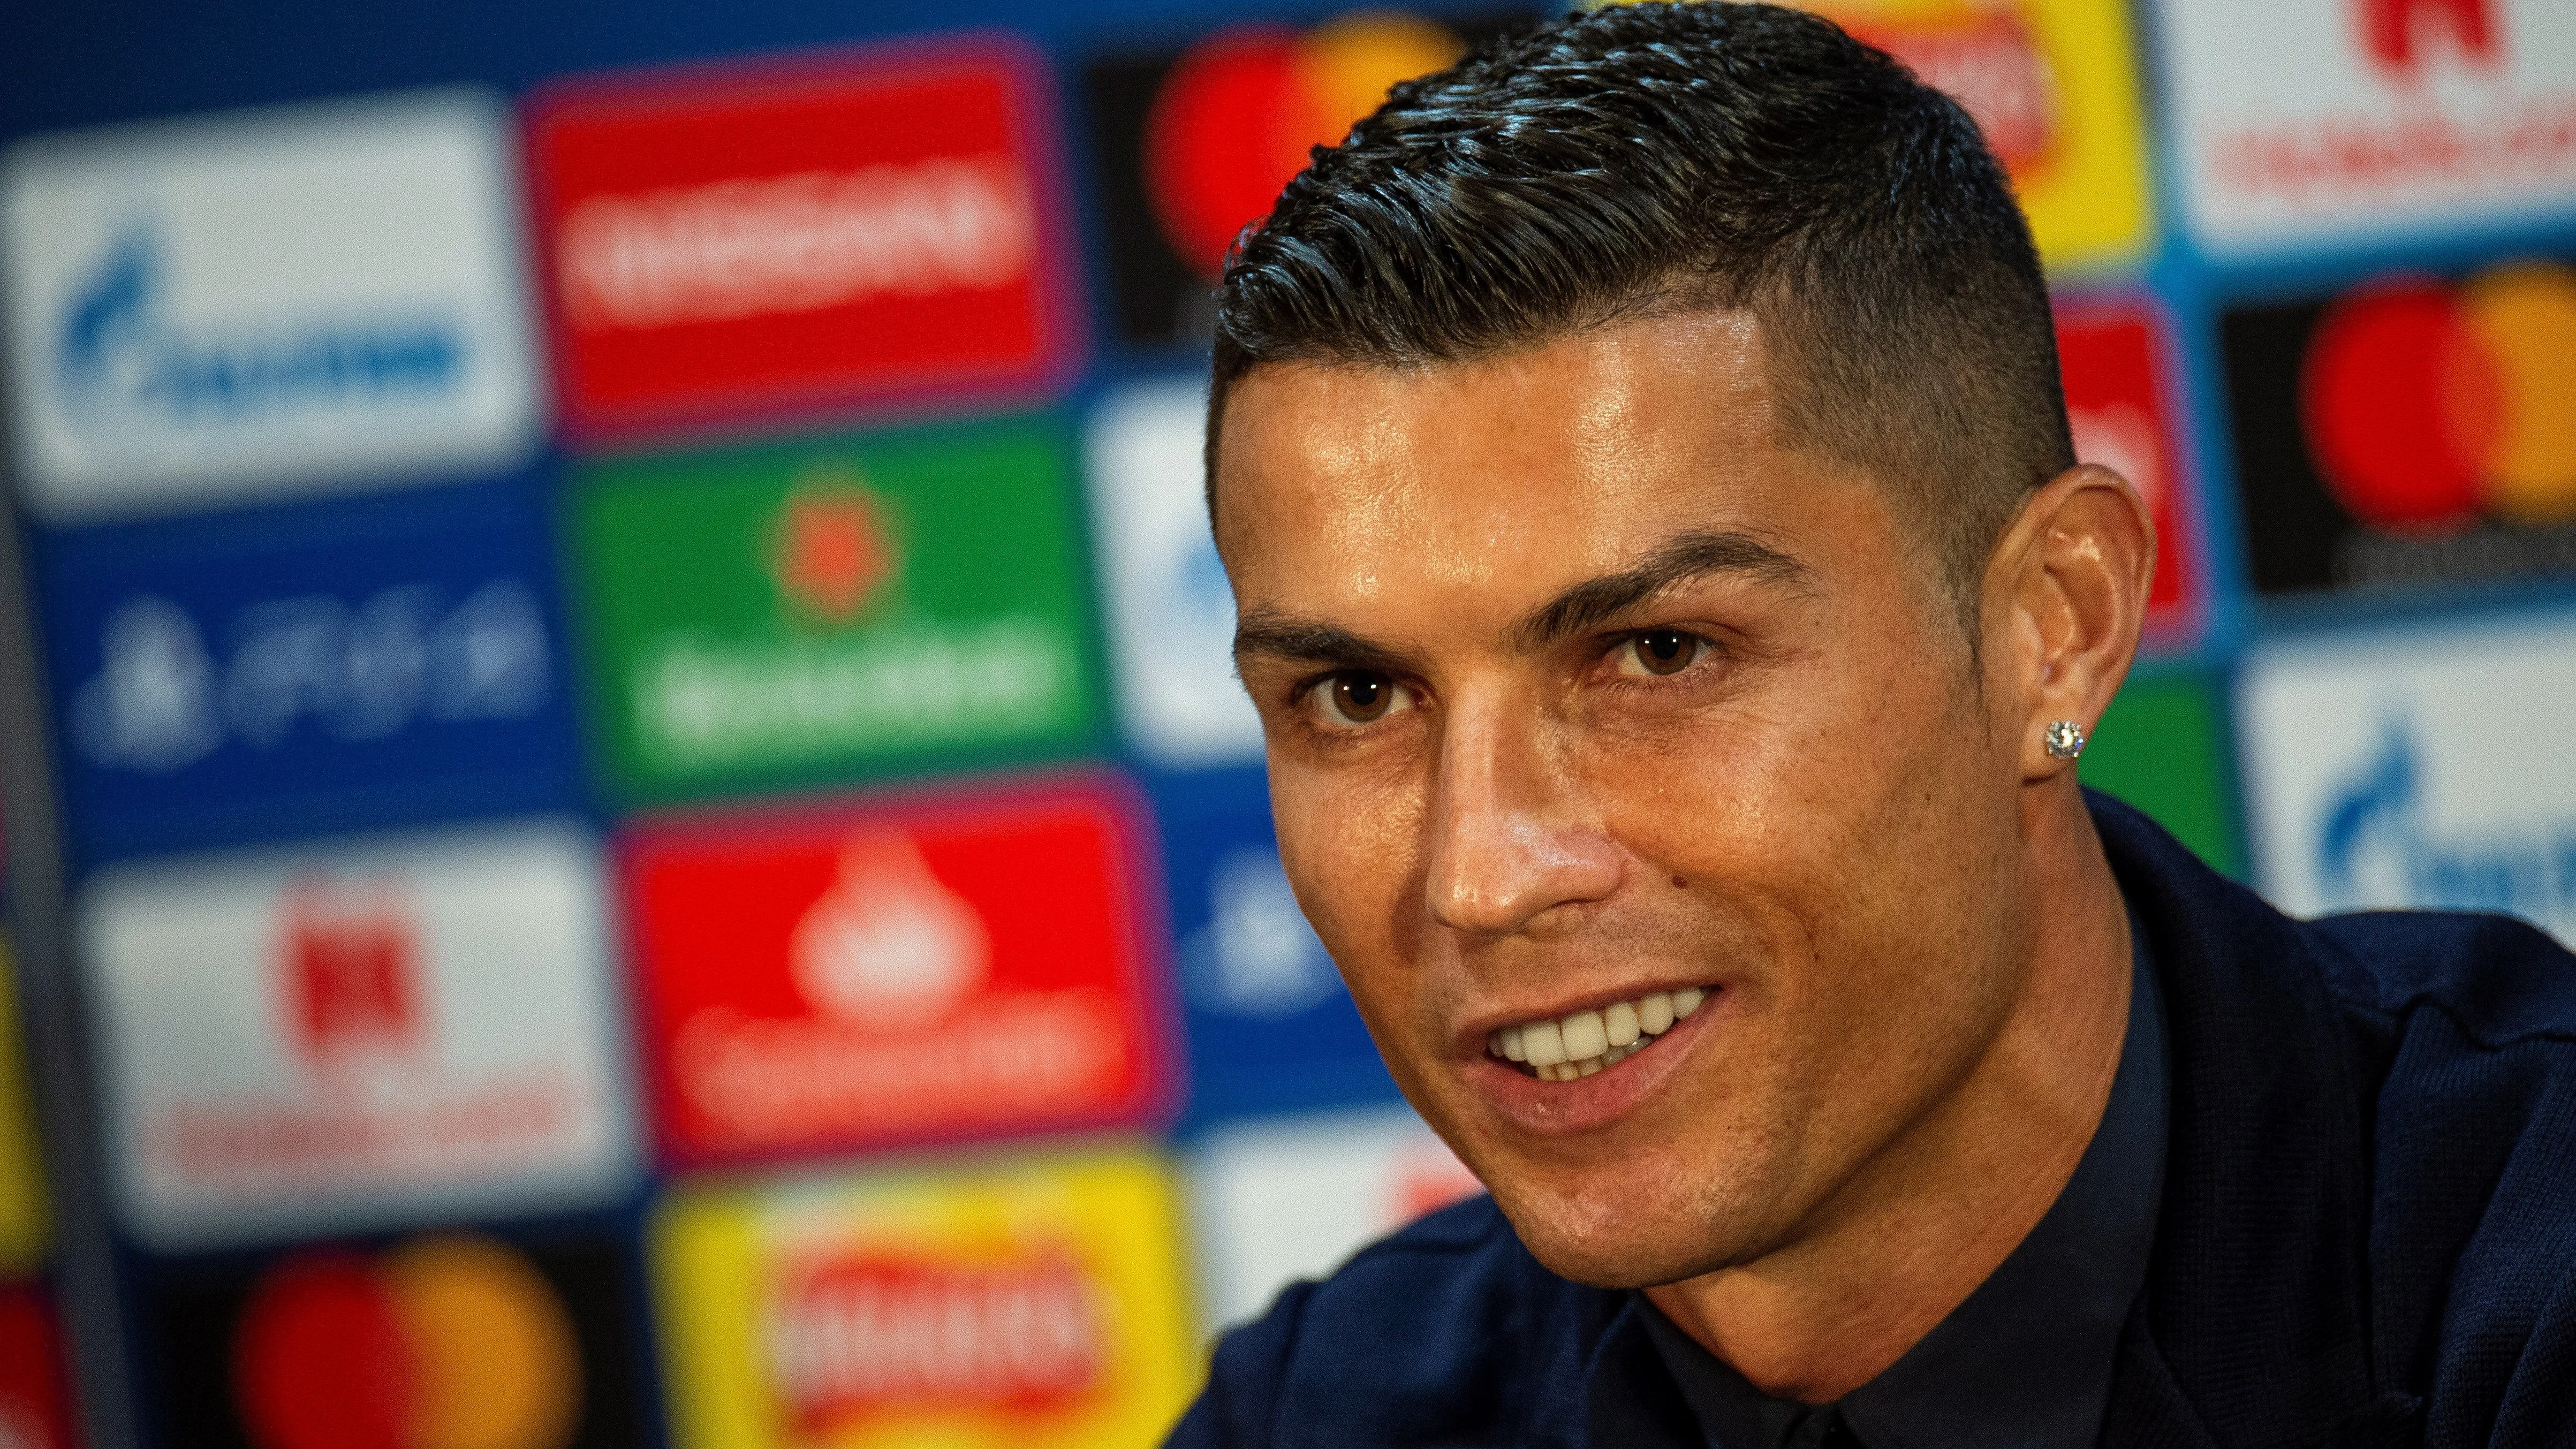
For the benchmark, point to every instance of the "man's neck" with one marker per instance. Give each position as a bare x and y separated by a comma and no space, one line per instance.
1933,1214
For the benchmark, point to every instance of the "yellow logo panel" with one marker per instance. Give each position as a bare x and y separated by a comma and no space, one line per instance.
22,1187
1035,1303
2054,83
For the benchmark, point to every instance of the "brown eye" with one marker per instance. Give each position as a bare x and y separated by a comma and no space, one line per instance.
1362,698
1358,697
1663,651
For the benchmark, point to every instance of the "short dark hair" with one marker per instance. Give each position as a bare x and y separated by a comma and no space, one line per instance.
1681,157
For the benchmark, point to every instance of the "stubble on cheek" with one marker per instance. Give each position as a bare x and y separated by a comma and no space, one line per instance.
1350,849
1818,892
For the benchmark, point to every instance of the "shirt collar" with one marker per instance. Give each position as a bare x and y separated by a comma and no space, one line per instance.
2028,1358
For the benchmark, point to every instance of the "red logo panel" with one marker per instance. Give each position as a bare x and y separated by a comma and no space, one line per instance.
34,1411
1997,69
904,970
2119,399
819,237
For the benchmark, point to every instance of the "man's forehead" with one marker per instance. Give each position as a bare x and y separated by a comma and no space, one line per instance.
1600,401
1537,468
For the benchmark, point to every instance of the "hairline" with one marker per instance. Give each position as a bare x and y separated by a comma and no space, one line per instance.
1678,294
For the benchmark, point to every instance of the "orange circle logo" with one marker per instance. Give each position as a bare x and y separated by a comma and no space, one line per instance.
442,1343
2427,405
1239,113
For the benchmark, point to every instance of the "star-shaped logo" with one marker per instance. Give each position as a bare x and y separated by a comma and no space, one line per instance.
831,554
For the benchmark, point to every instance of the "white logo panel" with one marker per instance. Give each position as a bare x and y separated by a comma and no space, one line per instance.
2425,766
1291,1198
2302,119
212,311
358,1035
1171,615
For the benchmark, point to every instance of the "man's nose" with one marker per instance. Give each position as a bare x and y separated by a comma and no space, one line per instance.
1509,839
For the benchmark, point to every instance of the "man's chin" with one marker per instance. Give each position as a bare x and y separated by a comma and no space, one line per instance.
1622,1246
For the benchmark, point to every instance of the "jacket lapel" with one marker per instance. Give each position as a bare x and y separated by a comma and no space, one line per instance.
2253,1330
1629,1399
2147,1409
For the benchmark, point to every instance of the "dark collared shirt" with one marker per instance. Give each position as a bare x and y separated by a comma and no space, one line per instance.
2027,1359
2363,1239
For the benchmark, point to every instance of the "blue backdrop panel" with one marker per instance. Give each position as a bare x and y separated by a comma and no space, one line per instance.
357,663
1271,1028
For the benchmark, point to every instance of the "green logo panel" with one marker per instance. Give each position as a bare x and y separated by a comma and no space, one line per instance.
835,608
2163,747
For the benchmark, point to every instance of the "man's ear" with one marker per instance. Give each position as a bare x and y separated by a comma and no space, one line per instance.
2070,579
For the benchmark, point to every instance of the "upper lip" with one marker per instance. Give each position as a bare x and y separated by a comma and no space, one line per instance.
1472,1037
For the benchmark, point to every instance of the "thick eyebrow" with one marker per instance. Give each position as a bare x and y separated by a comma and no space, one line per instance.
1683,558
1266,631
1679,559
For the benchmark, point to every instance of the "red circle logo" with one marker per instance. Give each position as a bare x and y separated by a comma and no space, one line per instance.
1240,112
320,1361
446,1342
2427,405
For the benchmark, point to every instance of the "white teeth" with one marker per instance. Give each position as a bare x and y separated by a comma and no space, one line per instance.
1621,1021
1581,1043
1543,1044
1585,1037
1655,1013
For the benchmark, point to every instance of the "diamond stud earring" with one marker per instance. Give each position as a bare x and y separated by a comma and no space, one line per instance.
2065,739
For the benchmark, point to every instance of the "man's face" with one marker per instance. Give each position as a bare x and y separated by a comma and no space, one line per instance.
1580,691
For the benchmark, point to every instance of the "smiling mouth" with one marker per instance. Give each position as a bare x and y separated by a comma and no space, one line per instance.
1562,1048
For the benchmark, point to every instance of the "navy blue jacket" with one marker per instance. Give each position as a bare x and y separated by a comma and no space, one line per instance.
2368,1234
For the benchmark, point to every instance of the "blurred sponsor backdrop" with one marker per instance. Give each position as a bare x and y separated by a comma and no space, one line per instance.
629,823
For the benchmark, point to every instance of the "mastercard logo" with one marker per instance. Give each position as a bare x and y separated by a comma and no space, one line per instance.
442,1343
2429,404
1238,113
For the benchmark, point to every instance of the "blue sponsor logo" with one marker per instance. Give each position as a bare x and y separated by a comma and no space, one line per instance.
1270,1026
1256,957
2374,848
120,359
339,666
162,701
